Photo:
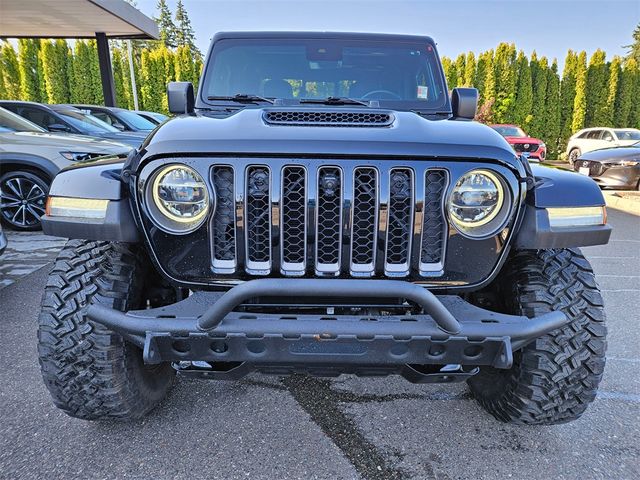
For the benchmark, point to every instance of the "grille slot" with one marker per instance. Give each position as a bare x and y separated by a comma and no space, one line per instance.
293,225
258,220
434,227
328,118
364,221
224,229
329,220
400,222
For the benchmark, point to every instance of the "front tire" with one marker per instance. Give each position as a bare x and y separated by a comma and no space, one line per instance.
22,200
574,154
555,377
90,371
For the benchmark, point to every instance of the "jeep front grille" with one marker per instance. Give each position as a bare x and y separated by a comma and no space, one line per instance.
318,219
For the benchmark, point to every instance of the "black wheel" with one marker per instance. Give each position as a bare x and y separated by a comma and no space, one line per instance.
90,371
556,377
573,156
22,200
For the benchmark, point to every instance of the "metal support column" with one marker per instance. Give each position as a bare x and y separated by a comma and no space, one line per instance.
106,72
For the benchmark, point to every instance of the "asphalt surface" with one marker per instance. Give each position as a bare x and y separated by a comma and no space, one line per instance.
345,428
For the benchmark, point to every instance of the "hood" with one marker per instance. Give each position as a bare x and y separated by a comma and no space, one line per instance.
613,154
246,132
61,142
133,139
532,140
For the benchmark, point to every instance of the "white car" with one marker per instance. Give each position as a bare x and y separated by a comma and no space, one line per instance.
589,139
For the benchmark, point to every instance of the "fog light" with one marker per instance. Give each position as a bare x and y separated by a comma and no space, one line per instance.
577,216
76,207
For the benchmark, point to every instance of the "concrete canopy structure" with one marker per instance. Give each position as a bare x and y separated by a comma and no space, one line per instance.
99,19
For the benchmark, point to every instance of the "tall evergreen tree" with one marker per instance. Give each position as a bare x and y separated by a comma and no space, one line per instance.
168,30
10,71
624,98
552,107
634,113
28,49
481,73
184,65
505,81
469,69
613,85
539,80
450,72
597,77
567,97
580,100
119,73
55,63
524,92
184,31
634,48
460,66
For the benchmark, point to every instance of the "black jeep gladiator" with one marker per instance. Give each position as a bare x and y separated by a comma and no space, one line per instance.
323,205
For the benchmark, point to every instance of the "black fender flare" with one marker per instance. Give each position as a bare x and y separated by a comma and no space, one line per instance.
100,179
557,188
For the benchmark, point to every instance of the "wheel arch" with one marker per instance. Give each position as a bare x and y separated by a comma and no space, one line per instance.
10,162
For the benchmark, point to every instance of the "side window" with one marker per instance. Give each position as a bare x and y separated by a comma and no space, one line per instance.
594,134
584,134
607,135
102,116
37,116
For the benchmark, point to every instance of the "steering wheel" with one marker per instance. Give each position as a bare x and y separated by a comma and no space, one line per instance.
384,92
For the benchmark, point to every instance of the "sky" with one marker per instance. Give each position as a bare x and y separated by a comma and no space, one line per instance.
550,27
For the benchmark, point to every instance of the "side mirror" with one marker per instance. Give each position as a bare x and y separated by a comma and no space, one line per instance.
119,126
180,97
58,127
464,103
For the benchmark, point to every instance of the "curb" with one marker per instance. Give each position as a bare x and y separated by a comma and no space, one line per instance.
623,204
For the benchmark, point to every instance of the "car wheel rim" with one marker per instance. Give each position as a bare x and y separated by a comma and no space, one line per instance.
22,201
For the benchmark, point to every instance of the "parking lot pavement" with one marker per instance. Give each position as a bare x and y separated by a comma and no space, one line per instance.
26,252
344,428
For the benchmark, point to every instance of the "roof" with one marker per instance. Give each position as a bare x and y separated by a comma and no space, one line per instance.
327,35
74,19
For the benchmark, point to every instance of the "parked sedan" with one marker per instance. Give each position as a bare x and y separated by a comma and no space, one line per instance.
29,159
521,142
590,139
120,118
154,117
612,167
67,119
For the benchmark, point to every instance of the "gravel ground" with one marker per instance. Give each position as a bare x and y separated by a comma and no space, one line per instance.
345,428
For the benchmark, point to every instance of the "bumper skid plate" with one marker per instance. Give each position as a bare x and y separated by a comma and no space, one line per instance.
205,327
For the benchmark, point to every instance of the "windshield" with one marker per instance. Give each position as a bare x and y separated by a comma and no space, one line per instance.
399,75
10,122
86,123
509,130
136,120
627,134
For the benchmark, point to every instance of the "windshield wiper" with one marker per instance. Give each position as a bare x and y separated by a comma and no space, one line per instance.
336,101
241,98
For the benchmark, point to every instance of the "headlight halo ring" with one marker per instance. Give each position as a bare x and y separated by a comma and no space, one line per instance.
498,216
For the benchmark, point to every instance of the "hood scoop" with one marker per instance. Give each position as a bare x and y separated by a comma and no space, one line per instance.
328,118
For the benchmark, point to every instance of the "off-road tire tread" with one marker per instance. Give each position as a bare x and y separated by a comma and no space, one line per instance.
556,377
90,371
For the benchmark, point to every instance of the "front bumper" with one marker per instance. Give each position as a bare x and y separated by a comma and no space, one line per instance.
205,327
611,175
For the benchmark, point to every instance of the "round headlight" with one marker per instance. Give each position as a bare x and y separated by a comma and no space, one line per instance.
477,203
180,198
